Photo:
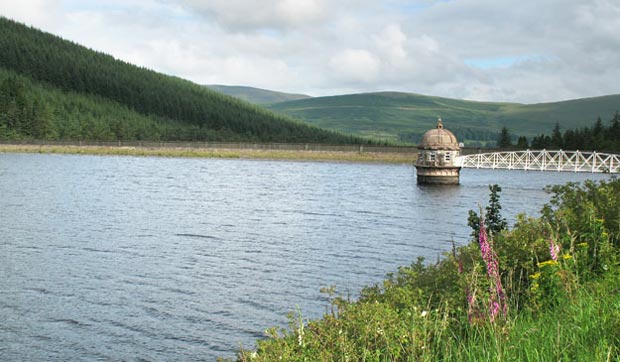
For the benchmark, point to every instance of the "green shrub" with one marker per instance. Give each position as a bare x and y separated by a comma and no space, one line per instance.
558,274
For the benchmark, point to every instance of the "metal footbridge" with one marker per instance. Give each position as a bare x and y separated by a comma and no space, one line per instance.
566,161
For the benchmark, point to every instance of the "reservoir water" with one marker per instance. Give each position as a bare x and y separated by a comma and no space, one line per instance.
162,259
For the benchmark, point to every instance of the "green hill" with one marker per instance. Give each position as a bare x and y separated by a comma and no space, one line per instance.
404,117
256,95
54,88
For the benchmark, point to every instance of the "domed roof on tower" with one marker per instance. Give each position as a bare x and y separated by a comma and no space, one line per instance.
439,139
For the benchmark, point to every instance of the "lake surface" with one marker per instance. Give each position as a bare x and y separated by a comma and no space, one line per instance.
153,259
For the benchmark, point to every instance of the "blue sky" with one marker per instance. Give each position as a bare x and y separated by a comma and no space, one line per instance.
517,51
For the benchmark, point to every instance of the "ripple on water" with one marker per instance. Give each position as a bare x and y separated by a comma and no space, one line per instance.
185,259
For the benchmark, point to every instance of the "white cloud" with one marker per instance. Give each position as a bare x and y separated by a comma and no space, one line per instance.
242,15
391,43
299,11
41,13
476,49
599,20
355,66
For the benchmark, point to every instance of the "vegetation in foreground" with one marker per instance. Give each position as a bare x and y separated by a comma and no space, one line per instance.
547,290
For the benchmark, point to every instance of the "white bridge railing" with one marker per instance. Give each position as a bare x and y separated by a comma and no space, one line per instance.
567,161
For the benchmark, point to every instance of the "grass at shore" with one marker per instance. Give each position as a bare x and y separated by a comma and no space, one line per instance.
215,153
546,290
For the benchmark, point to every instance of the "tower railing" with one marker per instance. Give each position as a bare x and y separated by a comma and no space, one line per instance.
543,160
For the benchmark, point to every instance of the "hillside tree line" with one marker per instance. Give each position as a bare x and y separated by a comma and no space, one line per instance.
178,109
599,137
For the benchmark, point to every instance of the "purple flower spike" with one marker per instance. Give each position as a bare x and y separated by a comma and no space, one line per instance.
554,250
497,298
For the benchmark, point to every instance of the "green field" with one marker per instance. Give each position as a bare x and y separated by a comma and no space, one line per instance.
256,95
404,117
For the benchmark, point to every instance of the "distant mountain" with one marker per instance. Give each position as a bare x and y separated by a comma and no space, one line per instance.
404,117
256,95
53,88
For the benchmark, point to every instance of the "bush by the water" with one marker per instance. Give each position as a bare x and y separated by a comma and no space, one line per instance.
546,290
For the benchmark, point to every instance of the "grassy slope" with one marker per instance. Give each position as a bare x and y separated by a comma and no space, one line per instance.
256,95
390,113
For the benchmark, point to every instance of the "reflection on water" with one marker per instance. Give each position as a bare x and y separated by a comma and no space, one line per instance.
123,258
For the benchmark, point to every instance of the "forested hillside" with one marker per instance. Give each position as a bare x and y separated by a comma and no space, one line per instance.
31,110
404,117
53,88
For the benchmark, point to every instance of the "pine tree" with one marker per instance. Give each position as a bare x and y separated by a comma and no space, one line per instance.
503,140
493,219
598,127
598,134
556,137
522,143
614,132
42,127
571,140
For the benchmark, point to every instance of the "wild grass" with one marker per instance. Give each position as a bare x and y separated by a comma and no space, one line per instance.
558,276
584,328
372,157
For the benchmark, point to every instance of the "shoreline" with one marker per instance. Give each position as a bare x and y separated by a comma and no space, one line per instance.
192,152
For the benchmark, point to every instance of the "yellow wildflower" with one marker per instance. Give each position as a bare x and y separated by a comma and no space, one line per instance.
548,262
535,276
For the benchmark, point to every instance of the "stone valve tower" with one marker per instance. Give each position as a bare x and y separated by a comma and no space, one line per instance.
437,157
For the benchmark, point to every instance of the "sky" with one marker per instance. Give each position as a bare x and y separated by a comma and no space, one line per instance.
523,51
